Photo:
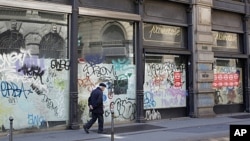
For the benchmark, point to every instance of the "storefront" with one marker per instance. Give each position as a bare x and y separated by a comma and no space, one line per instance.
229,68
34,64
166,54
159,59
106,53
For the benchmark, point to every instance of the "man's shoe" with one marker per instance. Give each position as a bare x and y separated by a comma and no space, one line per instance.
85,129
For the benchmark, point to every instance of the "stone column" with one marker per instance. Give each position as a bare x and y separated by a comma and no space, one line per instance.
204,58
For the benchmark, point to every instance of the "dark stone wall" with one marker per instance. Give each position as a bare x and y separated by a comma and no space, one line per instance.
162,11
113,5
55,1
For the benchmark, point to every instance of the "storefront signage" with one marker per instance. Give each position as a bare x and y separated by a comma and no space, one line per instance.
228,83
226,80
162,33
225,39
205,75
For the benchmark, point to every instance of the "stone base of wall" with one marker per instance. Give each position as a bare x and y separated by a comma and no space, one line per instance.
206,112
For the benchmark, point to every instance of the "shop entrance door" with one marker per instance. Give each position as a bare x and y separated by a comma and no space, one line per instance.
165,85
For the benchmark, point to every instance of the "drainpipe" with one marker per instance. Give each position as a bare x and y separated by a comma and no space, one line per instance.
73,117
246,50
191,64
139,64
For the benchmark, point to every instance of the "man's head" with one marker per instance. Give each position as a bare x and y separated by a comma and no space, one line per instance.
102,86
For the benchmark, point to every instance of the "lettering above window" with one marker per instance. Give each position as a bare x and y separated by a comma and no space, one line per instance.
162,33
225,40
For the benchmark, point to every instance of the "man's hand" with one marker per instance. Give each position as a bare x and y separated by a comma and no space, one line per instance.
91,107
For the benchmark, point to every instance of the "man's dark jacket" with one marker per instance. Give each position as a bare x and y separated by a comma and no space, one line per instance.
96,100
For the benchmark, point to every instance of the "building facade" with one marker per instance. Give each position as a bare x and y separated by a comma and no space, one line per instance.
159,59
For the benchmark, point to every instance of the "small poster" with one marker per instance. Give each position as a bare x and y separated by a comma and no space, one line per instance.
177,79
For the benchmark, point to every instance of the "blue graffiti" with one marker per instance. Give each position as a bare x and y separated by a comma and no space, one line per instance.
94,59
149,101
35,120
9,89
121,64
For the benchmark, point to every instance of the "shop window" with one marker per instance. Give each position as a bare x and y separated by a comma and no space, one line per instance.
106,54
42,34
165,81
33,48
11,39
228,81
225,41
52,45
108,39
164,35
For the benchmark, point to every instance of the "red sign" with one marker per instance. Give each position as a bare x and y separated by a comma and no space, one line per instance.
226,80
177,79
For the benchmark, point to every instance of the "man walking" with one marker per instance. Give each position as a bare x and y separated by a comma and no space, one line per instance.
95,103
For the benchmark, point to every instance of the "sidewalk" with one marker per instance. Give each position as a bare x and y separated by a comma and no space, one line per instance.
178,129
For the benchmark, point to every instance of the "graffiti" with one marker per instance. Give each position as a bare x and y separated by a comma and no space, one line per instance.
158,80
13,100
226,69
37,90
10,89
174,97
32,82
117,77
7,60
93,59
86,83
149,101
49,102
110,86
14,77
121,64
52,75
164,85
157,69
33,71
59,65
31,61
152,115
99,71
60,102
35,120
164,72
123,108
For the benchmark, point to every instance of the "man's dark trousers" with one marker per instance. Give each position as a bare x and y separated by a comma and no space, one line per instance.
96,116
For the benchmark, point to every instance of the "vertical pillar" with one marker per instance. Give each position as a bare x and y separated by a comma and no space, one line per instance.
139,64
191,64
247,51
73,120
203,59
